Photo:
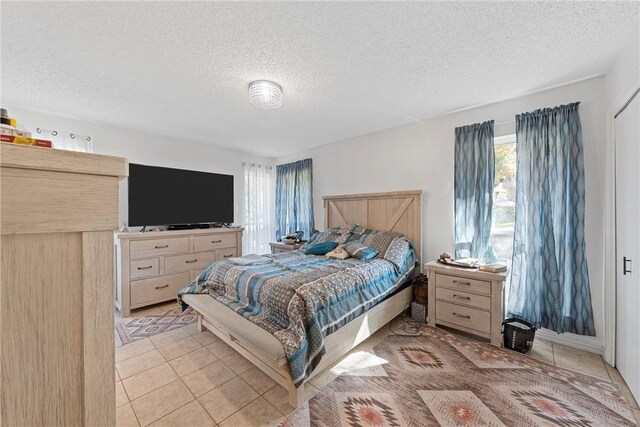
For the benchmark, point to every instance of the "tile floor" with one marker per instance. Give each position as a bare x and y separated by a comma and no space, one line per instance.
189,378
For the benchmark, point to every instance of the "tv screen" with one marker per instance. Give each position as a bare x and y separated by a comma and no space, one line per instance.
165,196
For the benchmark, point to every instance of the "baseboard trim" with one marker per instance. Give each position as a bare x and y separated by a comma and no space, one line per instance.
570,340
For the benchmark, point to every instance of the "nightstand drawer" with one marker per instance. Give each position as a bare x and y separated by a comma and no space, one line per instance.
143,268
464,284
460,297
467,317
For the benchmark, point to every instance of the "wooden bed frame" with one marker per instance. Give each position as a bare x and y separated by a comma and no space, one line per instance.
393,211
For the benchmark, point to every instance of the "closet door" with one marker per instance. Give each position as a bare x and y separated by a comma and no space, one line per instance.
627,140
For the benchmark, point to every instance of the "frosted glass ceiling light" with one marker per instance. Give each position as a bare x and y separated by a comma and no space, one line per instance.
265,95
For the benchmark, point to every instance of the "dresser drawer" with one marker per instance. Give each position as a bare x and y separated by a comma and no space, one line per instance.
158,288
470,318
154,247
226,253
144,268
460,297
463,284
173,264
214,241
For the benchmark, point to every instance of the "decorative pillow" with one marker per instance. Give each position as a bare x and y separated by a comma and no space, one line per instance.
335,234
375,239
339,253
360,251
400,253
321,248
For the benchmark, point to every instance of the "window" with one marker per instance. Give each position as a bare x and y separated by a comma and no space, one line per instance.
504,197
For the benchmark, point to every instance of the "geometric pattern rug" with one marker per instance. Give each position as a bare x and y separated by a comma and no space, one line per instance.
153,324
450,380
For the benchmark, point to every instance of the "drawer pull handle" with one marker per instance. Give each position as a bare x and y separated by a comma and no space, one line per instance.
161,247
145,268
162,287
464,316
457,282
462,297
227,256
190,261
216,241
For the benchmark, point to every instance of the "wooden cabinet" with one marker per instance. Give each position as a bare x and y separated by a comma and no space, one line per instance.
468,300
58,212
152,267
278,247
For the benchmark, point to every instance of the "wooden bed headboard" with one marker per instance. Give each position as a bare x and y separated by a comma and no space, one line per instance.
399,211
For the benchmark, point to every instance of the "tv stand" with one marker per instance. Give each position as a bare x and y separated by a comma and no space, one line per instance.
152,267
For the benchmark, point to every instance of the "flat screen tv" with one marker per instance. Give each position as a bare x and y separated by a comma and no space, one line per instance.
165,196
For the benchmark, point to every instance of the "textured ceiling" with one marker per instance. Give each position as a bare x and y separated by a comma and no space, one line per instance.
347,69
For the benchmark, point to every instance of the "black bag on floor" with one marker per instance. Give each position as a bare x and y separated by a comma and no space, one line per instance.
518,334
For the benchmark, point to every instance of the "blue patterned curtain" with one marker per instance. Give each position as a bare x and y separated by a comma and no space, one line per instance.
294,198
473,187
549,278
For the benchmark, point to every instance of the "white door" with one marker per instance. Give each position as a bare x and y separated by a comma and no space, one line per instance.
627,140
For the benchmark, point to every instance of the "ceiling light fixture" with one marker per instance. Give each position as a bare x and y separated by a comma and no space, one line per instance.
265,94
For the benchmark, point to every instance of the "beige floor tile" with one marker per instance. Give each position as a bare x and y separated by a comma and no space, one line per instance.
160,402
616,377
179,348
149,380
117,377
636,413
258,413
118,340
278,396
169,337
237,363
192,414
193,361
580,361
627,393
133,349
121,395
142,362
542,350
205,337
258,380
225,400
208,378
614,374
191,328
221,349
125,417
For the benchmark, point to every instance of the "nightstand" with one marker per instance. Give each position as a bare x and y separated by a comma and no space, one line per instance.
278,247
467,300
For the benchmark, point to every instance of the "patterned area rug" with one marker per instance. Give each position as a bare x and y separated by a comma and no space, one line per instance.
443,379
153,324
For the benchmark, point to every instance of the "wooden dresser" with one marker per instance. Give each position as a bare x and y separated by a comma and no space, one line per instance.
468,300
58,212
153,266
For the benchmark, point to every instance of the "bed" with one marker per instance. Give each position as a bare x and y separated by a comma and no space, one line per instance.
293,354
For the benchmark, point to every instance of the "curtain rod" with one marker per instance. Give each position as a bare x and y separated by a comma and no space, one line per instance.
504,123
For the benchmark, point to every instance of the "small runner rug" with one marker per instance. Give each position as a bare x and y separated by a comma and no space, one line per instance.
448,380
153,324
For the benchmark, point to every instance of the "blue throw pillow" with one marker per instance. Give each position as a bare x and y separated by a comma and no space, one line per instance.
321,248
360,251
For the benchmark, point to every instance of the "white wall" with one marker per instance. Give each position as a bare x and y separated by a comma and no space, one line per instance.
420,156
145,148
